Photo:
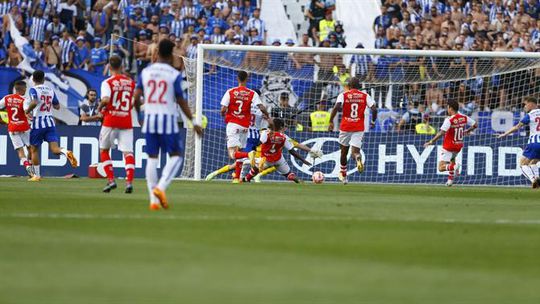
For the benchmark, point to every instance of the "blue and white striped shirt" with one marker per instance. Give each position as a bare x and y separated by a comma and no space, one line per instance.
192,51
533,120
45,98
5,7
217,38
37,29
162,85
67,47
177,28
258,24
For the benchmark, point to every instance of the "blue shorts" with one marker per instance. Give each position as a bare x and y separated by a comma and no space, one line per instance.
251,144
532,151
169,143
38,136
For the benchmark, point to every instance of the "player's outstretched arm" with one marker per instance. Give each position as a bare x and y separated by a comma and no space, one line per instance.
299,157
435,139
511,130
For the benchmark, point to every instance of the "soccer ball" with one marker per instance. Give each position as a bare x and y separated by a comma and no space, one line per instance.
318,177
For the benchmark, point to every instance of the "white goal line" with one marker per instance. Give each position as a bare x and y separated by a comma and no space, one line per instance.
195,218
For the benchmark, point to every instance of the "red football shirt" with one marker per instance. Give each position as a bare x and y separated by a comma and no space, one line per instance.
272,145
354,103
14,104
455,126
238,102
117,113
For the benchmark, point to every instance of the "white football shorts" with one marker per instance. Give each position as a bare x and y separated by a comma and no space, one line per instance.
236,136
354,139
281,165
447,156
20,139
113,137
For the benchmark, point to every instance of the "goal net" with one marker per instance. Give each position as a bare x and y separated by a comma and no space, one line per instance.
410,88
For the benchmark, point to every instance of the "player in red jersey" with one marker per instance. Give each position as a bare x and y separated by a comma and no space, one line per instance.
236,109
18,126
116,106
353,104
453,130
272,143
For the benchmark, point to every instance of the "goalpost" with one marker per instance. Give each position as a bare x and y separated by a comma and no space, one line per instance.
490,87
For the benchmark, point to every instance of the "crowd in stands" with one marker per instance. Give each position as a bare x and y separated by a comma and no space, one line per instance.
70,34
460,25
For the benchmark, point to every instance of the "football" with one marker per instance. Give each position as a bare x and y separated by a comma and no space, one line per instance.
318,177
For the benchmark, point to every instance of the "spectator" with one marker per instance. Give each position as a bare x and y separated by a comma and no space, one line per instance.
67,12
320,119
257,23
55,28
363,65
98,57
284,111
52,53
38,50
3,54
166,16
141,48
411,118
68,51
88,110
191,50
153,26
37,27
315,13
82,58
326,26
382,21
14,57
424,128
178,52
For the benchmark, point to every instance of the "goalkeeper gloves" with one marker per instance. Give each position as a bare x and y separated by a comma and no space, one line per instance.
315,153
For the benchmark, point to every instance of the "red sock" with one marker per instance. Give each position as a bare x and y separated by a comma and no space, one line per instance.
107,165
238,168
344,170
451,175
450,167
26,163
251,174
129,161
240,155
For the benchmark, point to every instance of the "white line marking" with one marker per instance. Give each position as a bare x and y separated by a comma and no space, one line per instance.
173,217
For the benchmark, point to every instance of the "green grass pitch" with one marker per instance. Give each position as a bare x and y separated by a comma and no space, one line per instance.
63,241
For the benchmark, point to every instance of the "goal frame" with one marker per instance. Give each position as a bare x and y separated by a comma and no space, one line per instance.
202,48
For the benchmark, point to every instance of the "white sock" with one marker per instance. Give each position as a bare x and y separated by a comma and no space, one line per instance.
64,151
36,171
152,178
169,172
528,172
535,170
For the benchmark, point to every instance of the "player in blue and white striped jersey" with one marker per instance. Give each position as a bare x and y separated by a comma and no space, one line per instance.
531,154
42,100
37,26
161,86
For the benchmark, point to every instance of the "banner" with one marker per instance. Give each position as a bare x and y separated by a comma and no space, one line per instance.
83,141
389,158
394,158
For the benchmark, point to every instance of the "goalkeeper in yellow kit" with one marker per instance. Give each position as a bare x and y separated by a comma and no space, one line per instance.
312,153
